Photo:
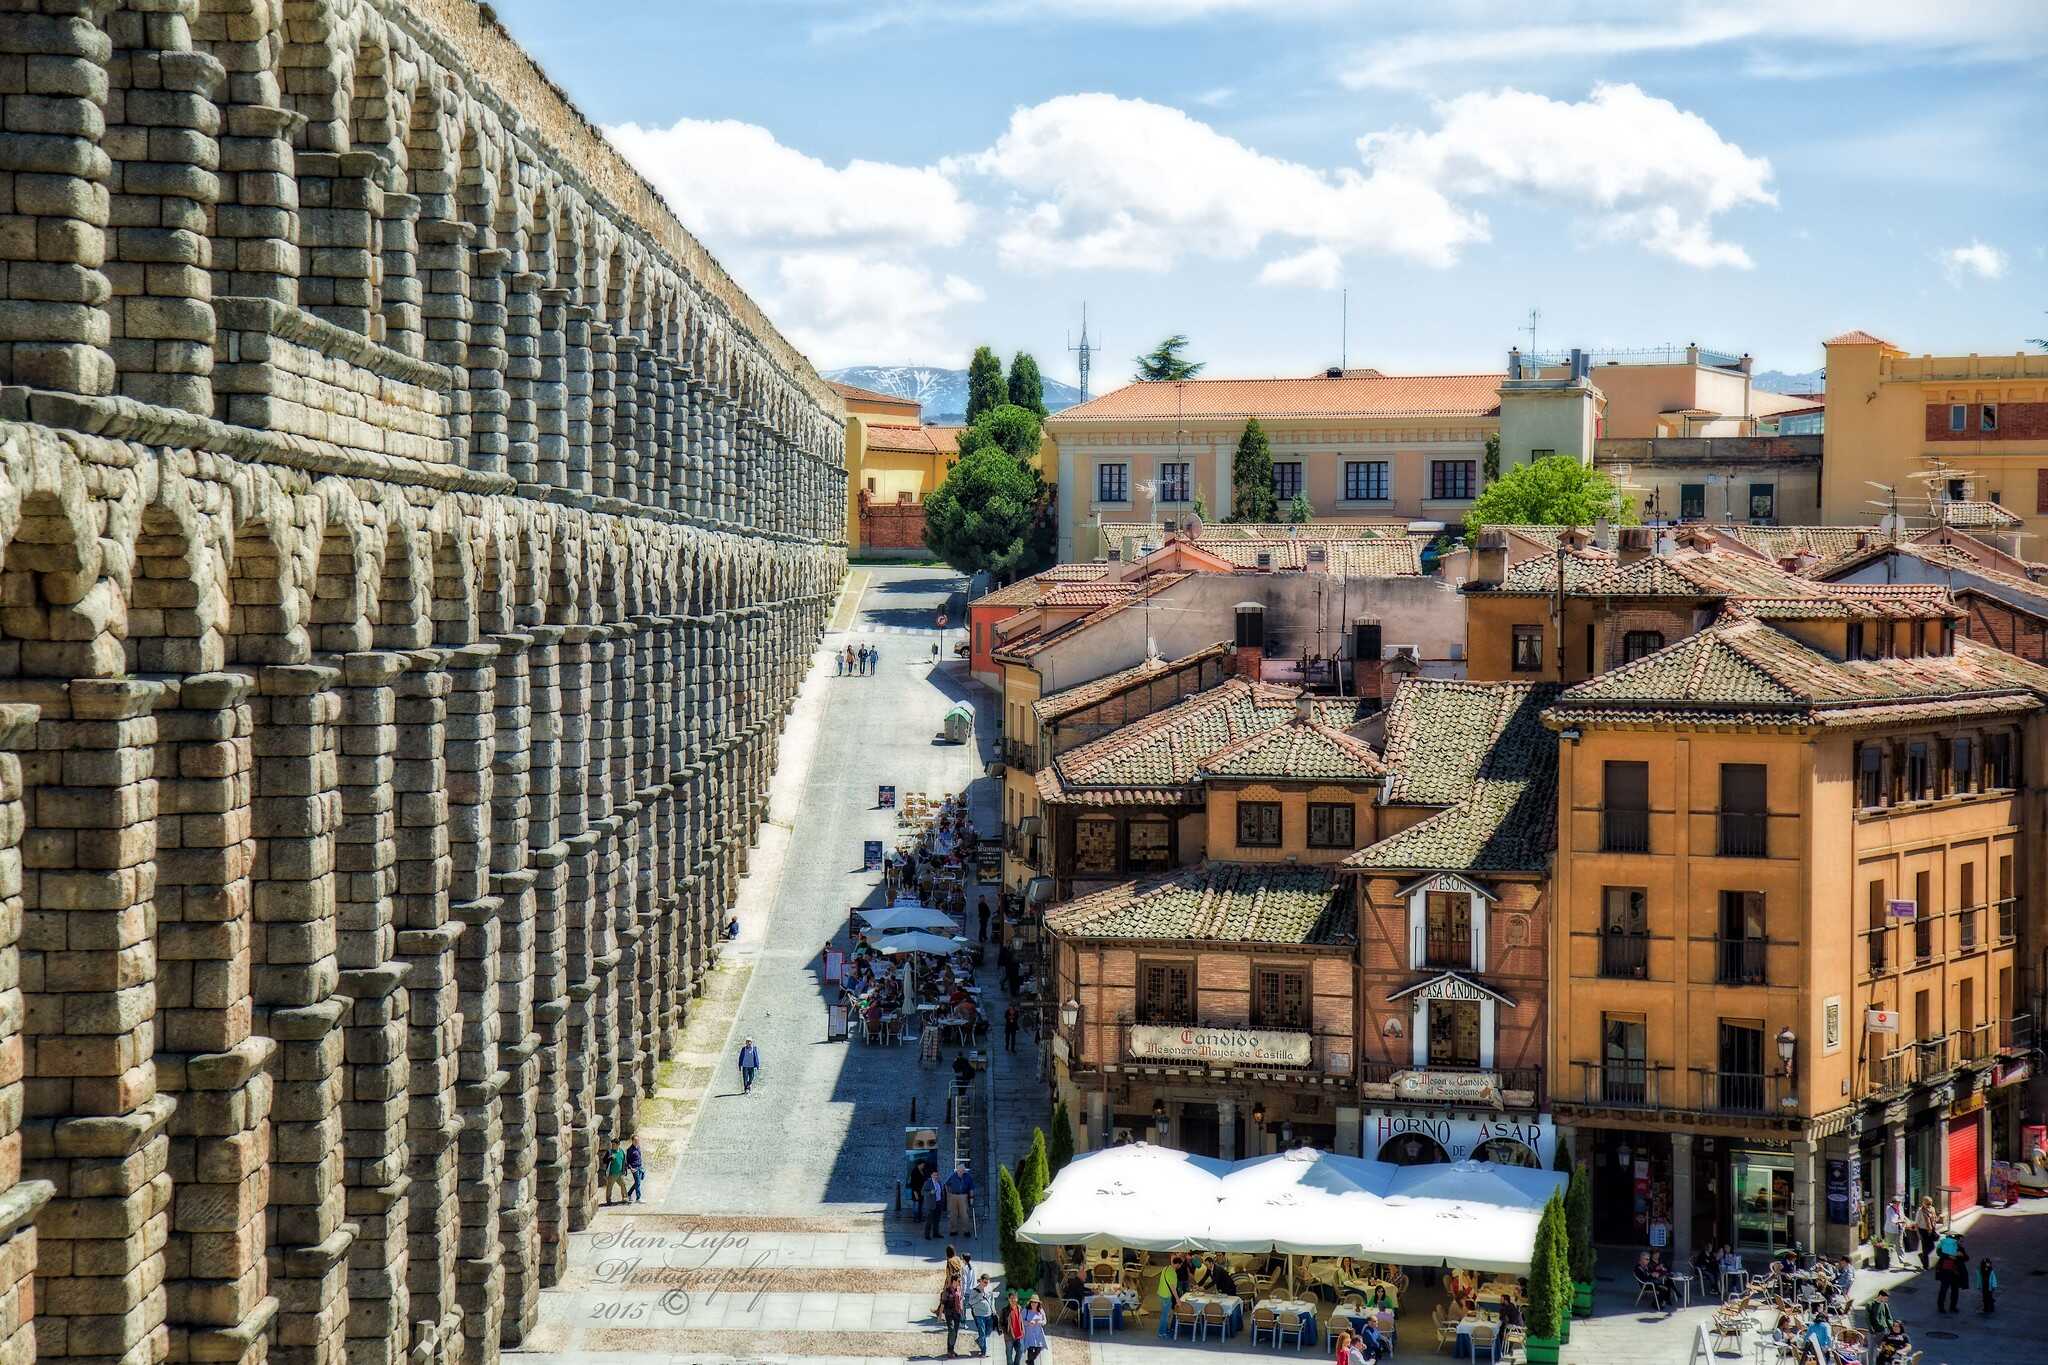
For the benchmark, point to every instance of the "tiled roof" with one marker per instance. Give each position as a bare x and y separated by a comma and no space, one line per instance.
945,439
907,440
1539,574
1342,713
1154,533
1379,557
1277,903
1029,641
1158,757
1407,395
1481,750
1027,592
1300,751
1064,703
1856,337
1718,575
1782,542
1980,515
1087,594
857,394
1744,665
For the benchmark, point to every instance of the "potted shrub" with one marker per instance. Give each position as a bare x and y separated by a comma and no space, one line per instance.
1549,1305
1578,1211
1561,1273
1880,1254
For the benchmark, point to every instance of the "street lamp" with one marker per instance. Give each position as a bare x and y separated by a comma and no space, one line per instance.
1070,1014
1788,1047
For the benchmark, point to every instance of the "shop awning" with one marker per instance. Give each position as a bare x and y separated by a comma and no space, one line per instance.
1471,1214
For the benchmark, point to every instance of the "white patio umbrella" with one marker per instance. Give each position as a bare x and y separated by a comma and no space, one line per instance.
915,941
898,918
1139,1196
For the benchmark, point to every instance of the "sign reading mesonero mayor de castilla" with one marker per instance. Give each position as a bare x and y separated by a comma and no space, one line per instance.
1189,1043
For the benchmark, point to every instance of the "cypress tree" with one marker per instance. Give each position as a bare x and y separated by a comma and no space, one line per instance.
1020,1259
1251,477
985,388
1027,387
1061,1149
1032,1173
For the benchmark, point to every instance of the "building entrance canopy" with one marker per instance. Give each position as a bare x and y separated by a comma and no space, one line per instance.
1471,1214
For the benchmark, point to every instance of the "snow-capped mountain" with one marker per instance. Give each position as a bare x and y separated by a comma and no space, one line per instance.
942,393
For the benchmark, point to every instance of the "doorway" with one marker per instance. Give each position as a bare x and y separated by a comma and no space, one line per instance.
1199,1133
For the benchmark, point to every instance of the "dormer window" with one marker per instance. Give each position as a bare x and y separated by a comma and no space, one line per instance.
1447,924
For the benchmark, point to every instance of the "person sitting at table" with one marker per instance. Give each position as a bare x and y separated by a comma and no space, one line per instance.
1818,1341
1660,1293
1893,1344
963,1072
1511,1313
1372,1342
1703,1264
1072,1288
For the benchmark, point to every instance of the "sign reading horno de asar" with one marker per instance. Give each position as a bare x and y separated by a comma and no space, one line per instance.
1189,1043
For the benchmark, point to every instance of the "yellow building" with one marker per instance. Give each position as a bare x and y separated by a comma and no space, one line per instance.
1977,424
1790,884
893,462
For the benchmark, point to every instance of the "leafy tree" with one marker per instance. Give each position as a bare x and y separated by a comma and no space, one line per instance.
1061,1150
1578,1211
1020,1259
1556,490
1165,361
1027,388
1006,427
991,513
1033,1173
1251,476
1550,1301
1490,465
1201,508
1298,510
985,388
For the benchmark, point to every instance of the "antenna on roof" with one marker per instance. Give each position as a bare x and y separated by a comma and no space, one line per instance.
1535,316
1084,352
1344,346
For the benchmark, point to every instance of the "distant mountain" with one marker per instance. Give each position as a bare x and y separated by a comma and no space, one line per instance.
943,393
1777,381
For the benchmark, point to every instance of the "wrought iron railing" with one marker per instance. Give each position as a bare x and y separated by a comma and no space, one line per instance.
1626,1084
1624,831
1745,834
1625,955
1740,961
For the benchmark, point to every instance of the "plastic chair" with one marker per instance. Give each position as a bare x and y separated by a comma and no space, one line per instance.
1446,1332
1187,1315
1102,1311
1266,1321
1286,1325
1486,1337
1216,1317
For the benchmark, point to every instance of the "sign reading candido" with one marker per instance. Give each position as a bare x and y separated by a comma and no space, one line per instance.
1189,1043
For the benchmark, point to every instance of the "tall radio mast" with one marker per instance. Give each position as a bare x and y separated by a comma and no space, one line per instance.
1084,351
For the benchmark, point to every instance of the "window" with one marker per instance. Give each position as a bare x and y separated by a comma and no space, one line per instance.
1763,501
1624,1077
1173,482
1453,480
1279,998
1919,772
1541,454
1877,920
1869,776
1740,1082
1859,643
1958,417
1637,643
1966,907
1625,823
1958,490
1094,847
1258,824
1692,501
1166,993
1624,931
1923,917
1742,946
2000,771
1365,481
1286,480
1528,649
1988,420
1330,824
1962,765
1447,929
1150,844
2007,911
1454,1033
1113,483
1745,822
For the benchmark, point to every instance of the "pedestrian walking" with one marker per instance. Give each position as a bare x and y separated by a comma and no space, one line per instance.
1951,1273
1010,1019
838,664
636,1167
1895,1224
984,919
750,1062
934,1204
981,1306
874,657
1034,1320
1927,1228
1011,1322
959,1197
1987,1280
953,1307
615,1174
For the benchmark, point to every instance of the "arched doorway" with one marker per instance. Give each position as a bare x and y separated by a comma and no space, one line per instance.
1506,1152
1413,1149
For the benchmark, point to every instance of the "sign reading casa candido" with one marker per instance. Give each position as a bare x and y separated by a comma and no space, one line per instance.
1219,1046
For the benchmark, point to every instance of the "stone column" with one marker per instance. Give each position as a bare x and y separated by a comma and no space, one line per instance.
208,1057
1895,1149
579,1087
341,211
26,1197
297,976
668,440
444,264
522,375
576,341
724,459
546,854
626,453
485,354
628,704
551,392
255,225
1226,1129
398,241
694,483
1682,1201
604,456
512,885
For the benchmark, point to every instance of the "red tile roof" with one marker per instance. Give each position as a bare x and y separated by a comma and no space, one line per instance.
1857,337
905,440
860,395
1406,395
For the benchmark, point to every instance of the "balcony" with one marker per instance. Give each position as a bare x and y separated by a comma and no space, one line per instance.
1019,755
1877,950
1977,1044
1447,950
1966,930
1931,1060
1740,961
1739,1092
1621,1084
1744,834
1625,955
2008,919
2017,1033
1894,1070
1624,831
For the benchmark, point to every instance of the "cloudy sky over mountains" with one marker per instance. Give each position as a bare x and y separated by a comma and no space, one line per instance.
898,180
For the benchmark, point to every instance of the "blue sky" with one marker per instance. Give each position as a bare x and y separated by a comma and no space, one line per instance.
899,180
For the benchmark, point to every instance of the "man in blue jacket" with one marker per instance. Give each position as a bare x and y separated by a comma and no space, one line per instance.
750,1062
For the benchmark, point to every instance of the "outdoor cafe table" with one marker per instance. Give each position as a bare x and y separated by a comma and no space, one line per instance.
1303,1311
1350,1315
1232,1304
1119,1303
1465,1326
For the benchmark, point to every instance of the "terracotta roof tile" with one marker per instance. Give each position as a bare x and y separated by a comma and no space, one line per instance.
1857,337
1980,515
1159,756
1299,751
907,440
1277,903
1027,592
1413,395
860,395
1054,705
1032,638
1782,542
1719,575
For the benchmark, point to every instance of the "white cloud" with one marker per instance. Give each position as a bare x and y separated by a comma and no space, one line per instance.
1319,267
847,308
1216,98
1980,259
735,183
1653,173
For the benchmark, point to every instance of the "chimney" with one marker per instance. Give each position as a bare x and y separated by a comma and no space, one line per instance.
1490,558
1334,372
1366,662
1637,542
1305,708
1403,666
1575,538
1863,540
1251,641
1803,561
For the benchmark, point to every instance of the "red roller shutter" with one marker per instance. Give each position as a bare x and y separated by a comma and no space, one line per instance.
1962,1162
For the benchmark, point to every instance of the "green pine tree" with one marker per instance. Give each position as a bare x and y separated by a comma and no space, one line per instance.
1033,1173
1299,512
985,387
1061,1150
1251,477
1165,361
1201,508
1546,1297
1020,1259
1027,388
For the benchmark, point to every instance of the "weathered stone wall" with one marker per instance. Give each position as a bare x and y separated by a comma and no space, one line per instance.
410,542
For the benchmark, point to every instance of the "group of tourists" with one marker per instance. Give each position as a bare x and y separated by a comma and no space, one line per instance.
1942,1252
1017,1316
853,661
623,1171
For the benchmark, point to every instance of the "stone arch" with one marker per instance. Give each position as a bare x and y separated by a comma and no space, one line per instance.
529,596
56,613
453,599
173,609
261,623
565,604
338,604
402,620
496,581
372,108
